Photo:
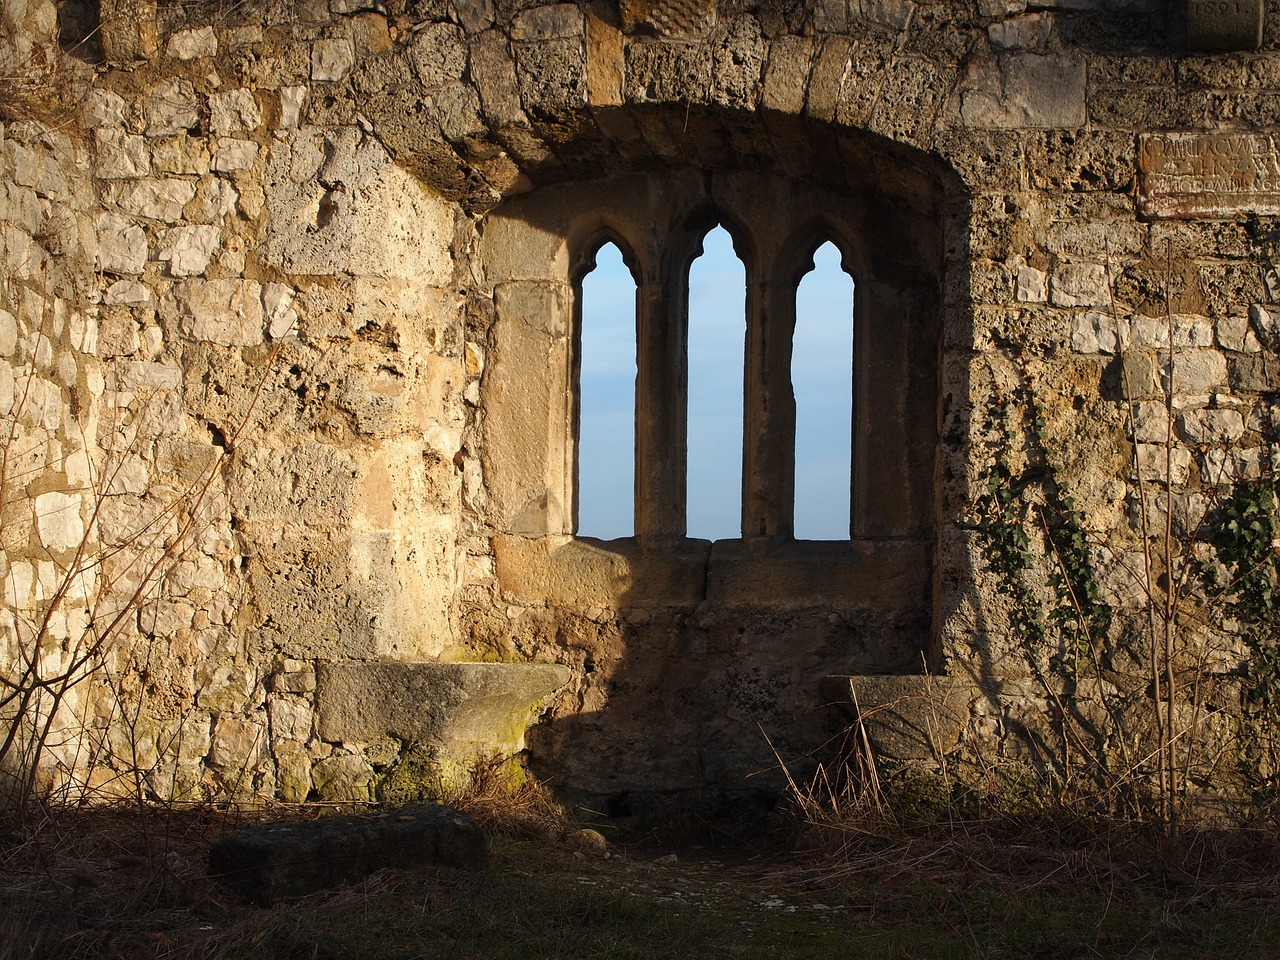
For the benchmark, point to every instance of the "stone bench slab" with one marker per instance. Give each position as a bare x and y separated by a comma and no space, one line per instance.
267,861
466,709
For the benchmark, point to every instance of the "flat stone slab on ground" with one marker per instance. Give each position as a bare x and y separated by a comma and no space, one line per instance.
271,860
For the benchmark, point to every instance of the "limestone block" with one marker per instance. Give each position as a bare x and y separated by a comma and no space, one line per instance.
58,520
1189,330
227,312
181,154
236,744
188,250
1079,285
290,719
344,777
465,709
122,245
894,14
786,74
164,618
579,572
293,770
545,23
146,376
1224,466
7,383
528,418
225,687
157,199
1098,333
192,43
438,53
331,59
907,718
1150,421
277,303
266,861
8,333
292,99
230,154
1234,333
41,403
1154,466
830,16
1198,372
120,155
360,214
887,575
171,108
235,111
1021,33
1266,324
294,676
1140,374
605,58
127,29
193,574
215,200
129,475
126,292
495,75
1212,426
1031,285
458,112
1017,91
102,108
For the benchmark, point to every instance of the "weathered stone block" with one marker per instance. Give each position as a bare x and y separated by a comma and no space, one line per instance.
617,574
1027,90
331,59
192,43
1079,285
907,718
267,861
466,710
343,778
226,312
120,155
171,108
122,245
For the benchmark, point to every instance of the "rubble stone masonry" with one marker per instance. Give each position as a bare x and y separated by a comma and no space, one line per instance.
288,307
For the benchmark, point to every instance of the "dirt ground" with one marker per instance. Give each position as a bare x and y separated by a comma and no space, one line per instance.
132,884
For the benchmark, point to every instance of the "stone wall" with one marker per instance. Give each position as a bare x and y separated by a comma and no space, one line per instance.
256,342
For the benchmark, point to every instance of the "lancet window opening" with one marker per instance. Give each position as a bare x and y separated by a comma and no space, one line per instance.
779,346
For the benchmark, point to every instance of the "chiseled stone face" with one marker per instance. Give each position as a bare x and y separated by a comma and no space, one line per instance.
288,328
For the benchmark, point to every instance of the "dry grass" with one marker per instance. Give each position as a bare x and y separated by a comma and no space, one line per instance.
505,801
45,87
130,883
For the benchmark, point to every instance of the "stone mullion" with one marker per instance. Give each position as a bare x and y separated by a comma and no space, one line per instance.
661,401
770,410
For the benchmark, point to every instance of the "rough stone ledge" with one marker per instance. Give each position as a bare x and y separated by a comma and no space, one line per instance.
907,717
267,861
465,710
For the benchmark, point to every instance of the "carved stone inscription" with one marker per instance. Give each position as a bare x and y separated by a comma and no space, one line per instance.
1215,175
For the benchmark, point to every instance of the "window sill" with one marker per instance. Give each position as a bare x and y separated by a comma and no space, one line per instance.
890,575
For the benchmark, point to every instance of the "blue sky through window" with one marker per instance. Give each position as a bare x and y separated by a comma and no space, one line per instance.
607,397
717,338
822,379
821,373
